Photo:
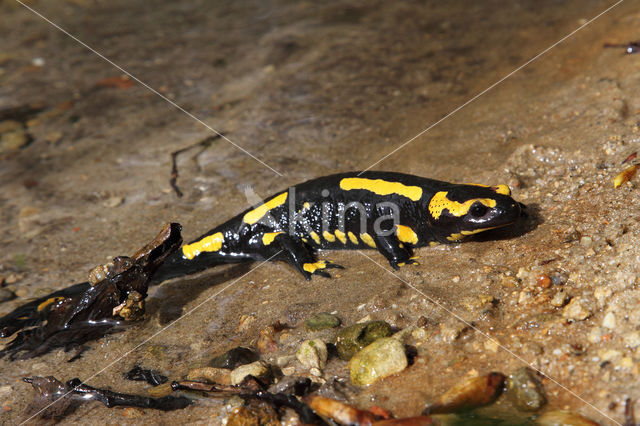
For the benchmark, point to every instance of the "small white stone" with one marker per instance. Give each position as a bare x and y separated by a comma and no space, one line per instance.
5,391
586,241
595,335
575,311
315,372
257,369
632,339
609,321
312,353
288,371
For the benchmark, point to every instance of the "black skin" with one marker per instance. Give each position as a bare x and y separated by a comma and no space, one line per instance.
243,241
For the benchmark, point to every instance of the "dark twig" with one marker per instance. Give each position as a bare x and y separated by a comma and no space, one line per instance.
205,143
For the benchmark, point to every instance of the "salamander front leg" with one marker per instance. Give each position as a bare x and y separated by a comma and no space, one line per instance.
396,252
295,252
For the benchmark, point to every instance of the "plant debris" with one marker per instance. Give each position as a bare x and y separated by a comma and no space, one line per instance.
626,175
468,394
205,143
152,377
69,318
54,399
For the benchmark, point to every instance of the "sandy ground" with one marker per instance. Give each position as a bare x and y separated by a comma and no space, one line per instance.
314,89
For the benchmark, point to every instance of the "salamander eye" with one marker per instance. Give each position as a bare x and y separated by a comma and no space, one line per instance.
478,210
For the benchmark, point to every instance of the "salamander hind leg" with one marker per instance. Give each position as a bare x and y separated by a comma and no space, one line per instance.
296,253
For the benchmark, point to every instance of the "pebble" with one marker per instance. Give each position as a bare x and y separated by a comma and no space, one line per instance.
211,374
312,354
601,294
113,202
382,358
321,321
586,241
12,136
13,278
262,414
609,320
245,323
258,369
632,339
575,311
559,299
234,358
353,338
6,294
5,391
561,418
525,390
288,371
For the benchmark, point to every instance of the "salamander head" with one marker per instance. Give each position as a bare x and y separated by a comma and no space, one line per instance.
463,210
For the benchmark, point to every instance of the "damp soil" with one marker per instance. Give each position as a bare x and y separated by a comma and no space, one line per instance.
312,89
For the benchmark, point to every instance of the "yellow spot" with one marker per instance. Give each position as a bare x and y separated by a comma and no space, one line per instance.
439,202
382,187
368,240
315,237
208,243
340,235
406,234
502,189
352,238
462,234
268,237
433,243
475,231
329,236
48,302
625,176
401,263
312,267
499,189
256,214
306,206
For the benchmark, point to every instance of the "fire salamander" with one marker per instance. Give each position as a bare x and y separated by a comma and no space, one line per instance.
390,212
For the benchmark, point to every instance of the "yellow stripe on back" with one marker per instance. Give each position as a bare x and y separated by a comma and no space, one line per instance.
329,236
256,214
406,234
440,202
499,189
382,187
208,243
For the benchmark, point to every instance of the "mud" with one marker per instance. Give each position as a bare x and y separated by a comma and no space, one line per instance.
313,89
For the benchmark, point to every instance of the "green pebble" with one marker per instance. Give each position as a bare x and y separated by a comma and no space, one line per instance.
380,359
353,338
525,390
321,321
